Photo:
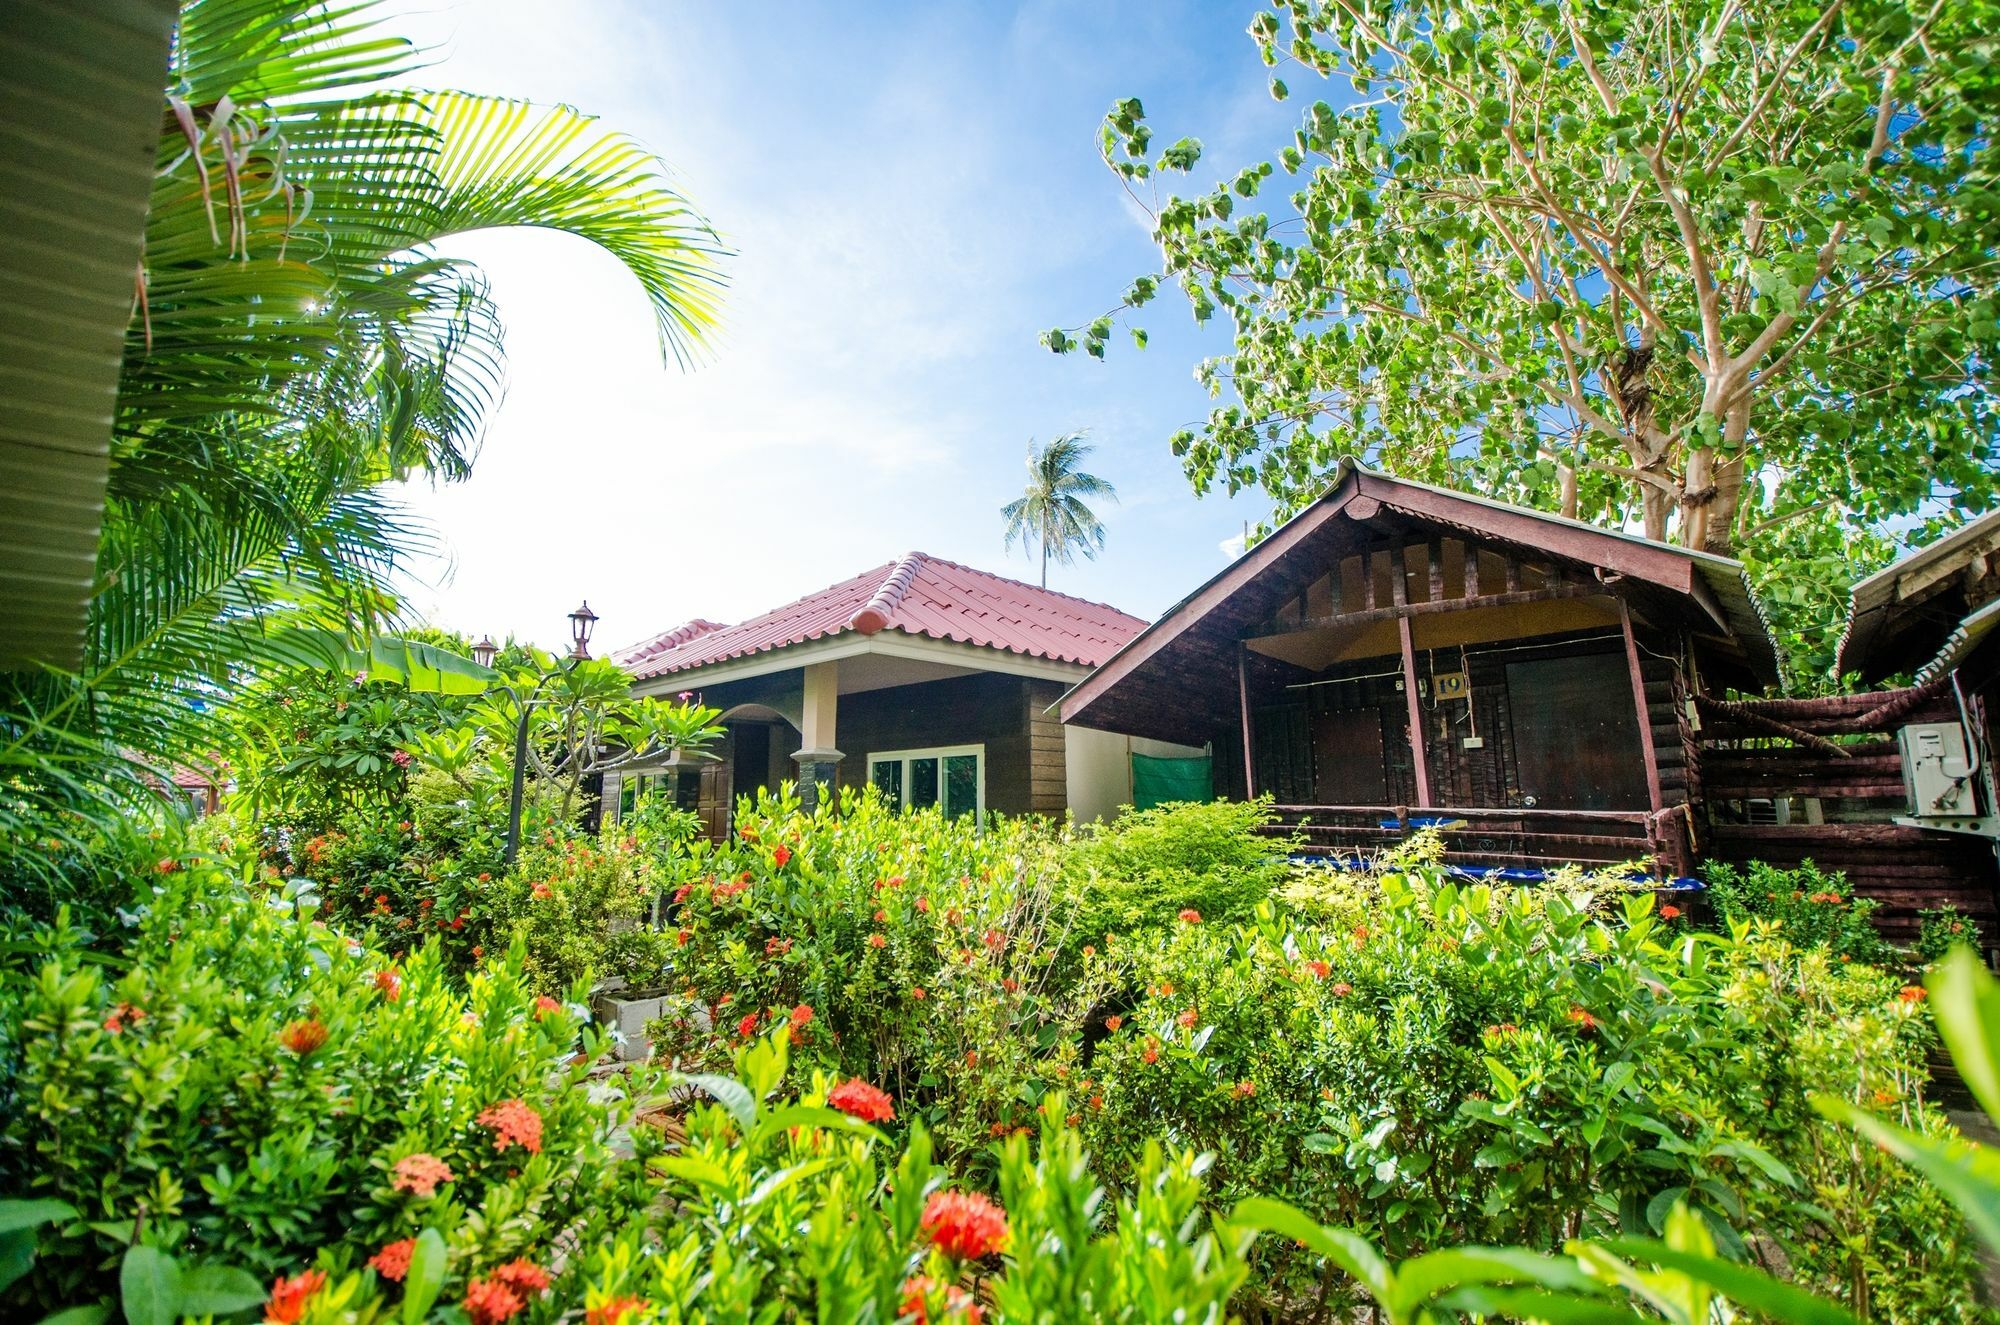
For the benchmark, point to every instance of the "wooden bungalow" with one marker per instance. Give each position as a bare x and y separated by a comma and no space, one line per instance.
1400,655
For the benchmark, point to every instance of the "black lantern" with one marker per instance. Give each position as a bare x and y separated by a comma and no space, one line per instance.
485,651
580,623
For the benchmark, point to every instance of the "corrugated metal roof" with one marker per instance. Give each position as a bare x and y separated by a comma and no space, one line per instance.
80,104
1877,615
635,654
918,595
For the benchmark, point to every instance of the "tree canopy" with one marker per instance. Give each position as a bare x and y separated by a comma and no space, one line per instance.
1723,271
1051,513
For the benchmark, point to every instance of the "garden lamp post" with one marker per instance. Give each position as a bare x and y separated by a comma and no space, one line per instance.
581,622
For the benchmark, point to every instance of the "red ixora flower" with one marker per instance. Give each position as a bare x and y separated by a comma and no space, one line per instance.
1113,1022
857,1099
781,857
919,994
777,947
1152,1052
1341,989
1584,1021
746,1027
1244,1089
1911,994
1188,1018
613,1311
420,1174
1318,970
541,890
288,1297
489,1302
514,1123
393,1261
918,1290
1670,912
964,1225
121,1016
523,1276
877,941
390,982
802,1016
303,1037
1190,916
544,1005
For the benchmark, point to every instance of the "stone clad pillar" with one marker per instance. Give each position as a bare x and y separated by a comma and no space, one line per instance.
818,757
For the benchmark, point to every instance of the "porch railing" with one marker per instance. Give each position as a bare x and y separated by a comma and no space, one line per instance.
1482,835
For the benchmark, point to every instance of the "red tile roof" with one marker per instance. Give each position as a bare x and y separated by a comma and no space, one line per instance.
667,639
918,595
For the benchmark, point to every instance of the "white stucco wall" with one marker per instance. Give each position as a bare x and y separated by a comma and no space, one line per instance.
1098,766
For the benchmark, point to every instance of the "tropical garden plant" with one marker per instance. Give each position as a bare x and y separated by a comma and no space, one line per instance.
1053,514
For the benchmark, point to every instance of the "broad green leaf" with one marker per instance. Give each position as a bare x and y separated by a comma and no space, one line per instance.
1742,1285
218,1290
806,1115
149,1287
1348,1250
734,1097
17,1255
95,1313
425,1278
1968,1174
30,1214
1537,1304
1965,999
1418,1281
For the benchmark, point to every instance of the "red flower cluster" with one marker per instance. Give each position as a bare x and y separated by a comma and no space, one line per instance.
964,1225
1911,994
877,941
303,1037
1670,912
121,1016
514,1123
781,857
613,1311
1584,1021
802,1016
523,1276
1503,1030
489,1302
919,994
1113,1022
1828,899
1188,1018
918,1291
1244,1089
746,1027
420,1174
1318,970
544,1005
777,947
857,1099
1190,916
393,1261
994,939
390,982
288,1297
542,890
1152,1051
681,895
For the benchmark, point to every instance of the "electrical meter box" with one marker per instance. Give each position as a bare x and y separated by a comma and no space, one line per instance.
1936,772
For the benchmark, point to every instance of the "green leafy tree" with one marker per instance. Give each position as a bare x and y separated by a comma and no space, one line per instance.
296,342
1718,271
1052,513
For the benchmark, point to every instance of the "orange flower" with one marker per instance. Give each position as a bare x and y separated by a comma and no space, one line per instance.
613,1311
121,1015
420,1174
781,857
1243,1090
924,905
1584,1021
544,1005
972,1058
881,916
1152,1052
802,1016
288,1297
857,1099
964,1225
1188,1018
489,1302
877,941
1341,989
1911,993
514,1123
390,982
542,890
393,1261
303,1037
1090,949
918,1291
919,994
1318,970
1670,912
523,1277
1113,1022
746,1027
1190,916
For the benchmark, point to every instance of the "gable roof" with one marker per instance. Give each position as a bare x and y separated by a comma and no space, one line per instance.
916,594
633,655
1905,613
1714,587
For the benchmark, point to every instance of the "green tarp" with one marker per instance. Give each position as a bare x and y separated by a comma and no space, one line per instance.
1157,781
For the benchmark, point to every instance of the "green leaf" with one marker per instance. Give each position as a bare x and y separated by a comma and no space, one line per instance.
95,1313
1534,1304
218,1290
425,1278
1968,1174
149,1286
1348,1250
1739,1283
31,1214
1426,1277
17,1255
1966,1002
806,1115
734,1097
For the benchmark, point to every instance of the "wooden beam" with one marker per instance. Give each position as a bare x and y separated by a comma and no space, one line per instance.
1430,609
1471,589
1243,698
1434,551
1656,796
1399,577
1417,755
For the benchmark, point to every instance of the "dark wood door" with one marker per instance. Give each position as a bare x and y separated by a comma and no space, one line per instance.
1348,767
1576,733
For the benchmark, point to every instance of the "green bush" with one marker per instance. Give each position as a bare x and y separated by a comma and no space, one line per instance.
248,1088
1148,866
1815,909
582,912
1942,928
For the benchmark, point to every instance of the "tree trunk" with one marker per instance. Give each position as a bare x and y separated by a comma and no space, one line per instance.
1566,478
1730,474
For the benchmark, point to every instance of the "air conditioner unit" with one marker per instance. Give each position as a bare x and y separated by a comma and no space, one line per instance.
1941,780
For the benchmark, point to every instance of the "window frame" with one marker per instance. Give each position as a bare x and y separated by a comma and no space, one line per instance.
939,753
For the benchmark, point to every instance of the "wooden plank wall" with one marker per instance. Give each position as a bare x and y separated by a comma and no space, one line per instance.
1904,869
1048,766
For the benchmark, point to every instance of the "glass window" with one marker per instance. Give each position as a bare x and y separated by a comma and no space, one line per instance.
923,784
888,778
961,785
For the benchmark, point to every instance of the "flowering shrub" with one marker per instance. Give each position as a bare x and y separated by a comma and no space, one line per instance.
582,908
249,1088
1814,908
902,948
1942,928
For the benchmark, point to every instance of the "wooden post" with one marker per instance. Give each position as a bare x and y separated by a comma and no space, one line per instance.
1243,698
1653,792
1417,756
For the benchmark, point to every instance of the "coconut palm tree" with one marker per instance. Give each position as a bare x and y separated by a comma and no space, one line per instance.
1052,511
296,342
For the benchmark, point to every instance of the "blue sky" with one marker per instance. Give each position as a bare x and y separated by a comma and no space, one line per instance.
913,193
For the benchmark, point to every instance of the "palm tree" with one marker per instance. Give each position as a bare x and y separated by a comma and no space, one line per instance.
295,344
1052,512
